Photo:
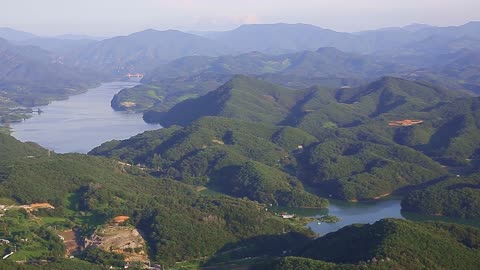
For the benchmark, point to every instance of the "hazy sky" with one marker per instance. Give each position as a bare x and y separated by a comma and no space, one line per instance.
114,17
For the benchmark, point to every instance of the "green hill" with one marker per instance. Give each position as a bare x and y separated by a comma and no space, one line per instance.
236,157
161,96
396,96
399,244
242,97
450,133
363,165
357,155
349,164
11,149
259,101
193,76
178,222
453,197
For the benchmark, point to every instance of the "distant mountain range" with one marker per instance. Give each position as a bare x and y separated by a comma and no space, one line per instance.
268,115
16,35
58,44
324,62
31,76
143,51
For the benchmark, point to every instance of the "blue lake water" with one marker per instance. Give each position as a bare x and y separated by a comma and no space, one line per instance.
350,213
82,122
364,212
87,120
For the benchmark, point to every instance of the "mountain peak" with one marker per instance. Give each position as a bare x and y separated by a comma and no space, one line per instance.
416,26
15,35
332,50
277,25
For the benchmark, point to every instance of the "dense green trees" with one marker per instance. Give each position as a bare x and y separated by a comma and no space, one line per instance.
260,142
240,158
454,196
405,244
351,169
177,221
100,257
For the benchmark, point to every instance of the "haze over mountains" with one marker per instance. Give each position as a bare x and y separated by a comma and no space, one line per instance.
121,54
254,119
294,55
32,76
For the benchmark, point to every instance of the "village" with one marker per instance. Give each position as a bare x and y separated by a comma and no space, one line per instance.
117,236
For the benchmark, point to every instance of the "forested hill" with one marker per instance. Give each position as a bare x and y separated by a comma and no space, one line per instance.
238,158
11,149
390,244
204,152
370,141
242,97
88,192
260,101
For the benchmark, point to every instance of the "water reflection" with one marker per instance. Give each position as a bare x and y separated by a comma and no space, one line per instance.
363,212
82,122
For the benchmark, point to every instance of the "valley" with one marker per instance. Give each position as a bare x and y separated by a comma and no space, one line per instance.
269,146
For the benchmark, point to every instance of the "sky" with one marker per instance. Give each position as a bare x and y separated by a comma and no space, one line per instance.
119,17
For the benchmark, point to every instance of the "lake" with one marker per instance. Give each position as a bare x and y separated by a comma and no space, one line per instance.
87,120
364,212
81,122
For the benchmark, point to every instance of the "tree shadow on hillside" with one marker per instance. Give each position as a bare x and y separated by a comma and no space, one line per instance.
407,189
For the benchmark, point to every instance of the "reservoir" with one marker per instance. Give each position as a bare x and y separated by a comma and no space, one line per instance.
363,213
87,120
81,122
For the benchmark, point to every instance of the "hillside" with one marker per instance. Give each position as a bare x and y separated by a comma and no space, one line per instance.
329,67
323,63
163,95
452,197
193,76
89,191
11,149
142,51
242,97
362,165
30,76
260,101
450,135
396,96
235,157
399,244
14,35
350,165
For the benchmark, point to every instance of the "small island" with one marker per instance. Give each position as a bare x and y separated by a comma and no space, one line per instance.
329,219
